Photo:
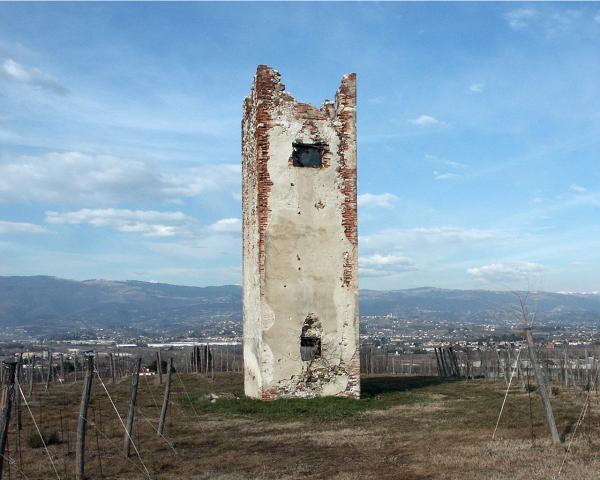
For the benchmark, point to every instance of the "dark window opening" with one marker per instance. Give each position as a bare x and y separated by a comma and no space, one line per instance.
310,348
307,155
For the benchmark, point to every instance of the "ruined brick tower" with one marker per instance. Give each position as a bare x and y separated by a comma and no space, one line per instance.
299,242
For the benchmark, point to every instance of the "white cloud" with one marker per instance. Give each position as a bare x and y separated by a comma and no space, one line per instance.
441,161
8,136
476,87
585,199
453,164
520,17
7,228
31,76
550,21
74,177
562,20
425,121
227,225
582,263
439,239
507,272
148,223
379,100
444,175
378,265
372,200
578,188
578,196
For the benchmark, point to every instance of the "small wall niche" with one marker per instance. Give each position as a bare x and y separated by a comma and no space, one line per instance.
307,154
310,348
310,339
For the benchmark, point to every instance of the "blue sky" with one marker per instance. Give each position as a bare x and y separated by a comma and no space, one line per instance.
478,137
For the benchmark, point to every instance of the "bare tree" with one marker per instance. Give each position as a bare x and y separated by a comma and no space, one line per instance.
528,319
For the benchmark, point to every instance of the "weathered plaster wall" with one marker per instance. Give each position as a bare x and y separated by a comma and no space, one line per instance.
300,242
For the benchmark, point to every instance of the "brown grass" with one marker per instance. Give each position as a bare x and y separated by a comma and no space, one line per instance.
403,428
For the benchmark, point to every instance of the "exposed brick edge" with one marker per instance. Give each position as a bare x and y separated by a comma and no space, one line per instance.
346,106
266,87
246,119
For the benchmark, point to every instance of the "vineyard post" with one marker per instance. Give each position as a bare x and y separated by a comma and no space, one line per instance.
131,413
112,367
49,377
165,405
32,371
10,393
62,367
18,377
82,423
159,366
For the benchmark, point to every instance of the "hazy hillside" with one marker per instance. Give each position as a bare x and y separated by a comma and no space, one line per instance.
48,304
477,305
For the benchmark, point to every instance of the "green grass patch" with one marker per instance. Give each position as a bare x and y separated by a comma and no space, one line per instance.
378,394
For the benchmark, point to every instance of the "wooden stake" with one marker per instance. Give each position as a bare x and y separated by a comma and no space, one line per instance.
131,414
62,367
18,375
82,424
437,361
165,405
5,420
159,367
49,377
32,369
112,368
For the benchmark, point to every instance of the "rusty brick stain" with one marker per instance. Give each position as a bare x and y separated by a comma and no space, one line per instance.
267,81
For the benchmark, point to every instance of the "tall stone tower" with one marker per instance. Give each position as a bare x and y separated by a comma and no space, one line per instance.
300,246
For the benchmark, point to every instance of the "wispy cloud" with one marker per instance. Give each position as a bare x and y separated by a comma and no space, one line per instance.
74,177
227,225
424,121
507,272
582,263
577,188
31,76
8,136
445,175
411,239
597,18
8,228
550,20
520,17
372,200
441,161
576,196
378,100
476,88
148,223
378,265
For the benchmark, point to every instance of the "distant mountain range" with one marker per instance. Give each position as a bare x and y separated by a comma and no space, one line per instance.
41,305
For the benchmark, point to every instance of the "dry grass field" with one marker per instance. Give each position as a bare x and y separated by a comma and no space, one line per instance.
402,428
